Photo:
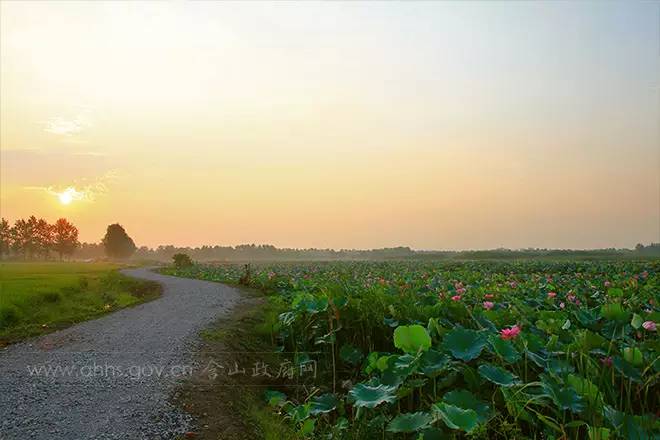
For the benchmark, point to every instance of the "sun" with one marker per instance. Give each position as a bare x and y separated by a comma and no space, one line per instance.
68,195
65,198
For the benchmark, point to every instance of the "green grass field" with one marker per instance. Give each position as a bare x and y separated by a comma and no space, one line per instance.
37,298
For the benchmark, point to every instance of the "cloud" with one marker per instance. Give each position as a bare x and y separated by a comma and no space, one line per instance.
82,190
68,126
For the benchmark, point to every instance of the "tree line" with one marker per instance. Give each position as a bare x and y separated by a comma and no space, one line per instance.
265,252
36,238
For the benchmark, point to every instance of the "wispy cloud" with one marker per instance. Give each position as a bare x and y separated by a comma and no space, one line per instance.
83,190
68,126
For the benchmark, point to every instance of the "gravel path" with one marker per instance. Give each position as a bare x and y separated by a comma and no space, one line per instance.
110,378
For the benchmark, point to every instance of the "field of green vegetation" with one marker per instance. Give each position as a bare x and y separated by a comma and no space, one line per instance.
41,297
433,350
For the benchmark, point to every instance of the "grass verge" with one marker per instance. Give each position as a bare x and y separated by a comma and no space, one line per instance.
231,407
38,298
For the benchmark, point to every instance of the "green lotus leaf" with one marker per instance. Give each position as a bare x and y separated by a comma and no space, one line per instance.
371,362
466,400
457,418
587,317
410,422
323,404
498,375
586,389
566,398
383,362
464,344
404,364
274,398
626,369
433,362
630,427
317,305
350,354
588,340
371,396
307,427
300,412
504,348
412,338
614,311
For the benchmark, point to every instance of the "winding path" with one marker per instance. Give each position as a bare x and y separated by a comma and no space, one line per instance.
110,378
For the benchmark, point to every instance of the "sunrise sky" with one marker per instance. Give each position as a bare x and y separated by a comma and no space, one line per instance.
434,125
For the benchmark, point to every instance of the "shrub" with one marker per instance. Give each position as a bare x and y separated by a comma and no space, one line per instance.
182,260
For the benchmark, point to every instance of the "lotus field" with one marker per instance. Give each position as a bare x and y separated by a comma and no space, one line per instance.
427,350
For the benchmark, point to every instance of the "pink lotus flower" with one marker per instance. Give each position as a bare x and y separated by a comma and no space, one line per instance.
650,326
510,333
552,294
570,297
489,296
488,305
513,284
607,284
645,274
460,291
607,361
562,305
456,298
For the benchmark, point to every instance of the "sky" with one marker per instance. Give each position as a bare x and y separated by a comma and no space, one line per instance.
434,125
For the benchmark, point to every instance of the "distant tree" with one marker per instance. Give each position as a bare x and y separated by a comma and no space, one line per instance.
117,243
182,260
65,238
90,251
45,236
5,238
23,236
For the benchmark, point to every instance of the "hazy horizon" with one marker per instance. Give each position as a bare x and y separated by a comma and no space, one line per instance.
434,125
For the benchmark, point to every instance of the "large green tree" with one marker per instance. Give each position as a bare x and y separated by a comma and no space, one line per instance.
117,243
64,237
5,237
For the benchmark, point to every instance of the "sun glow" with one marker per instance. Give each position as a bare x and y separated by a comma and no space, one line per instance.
68,195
